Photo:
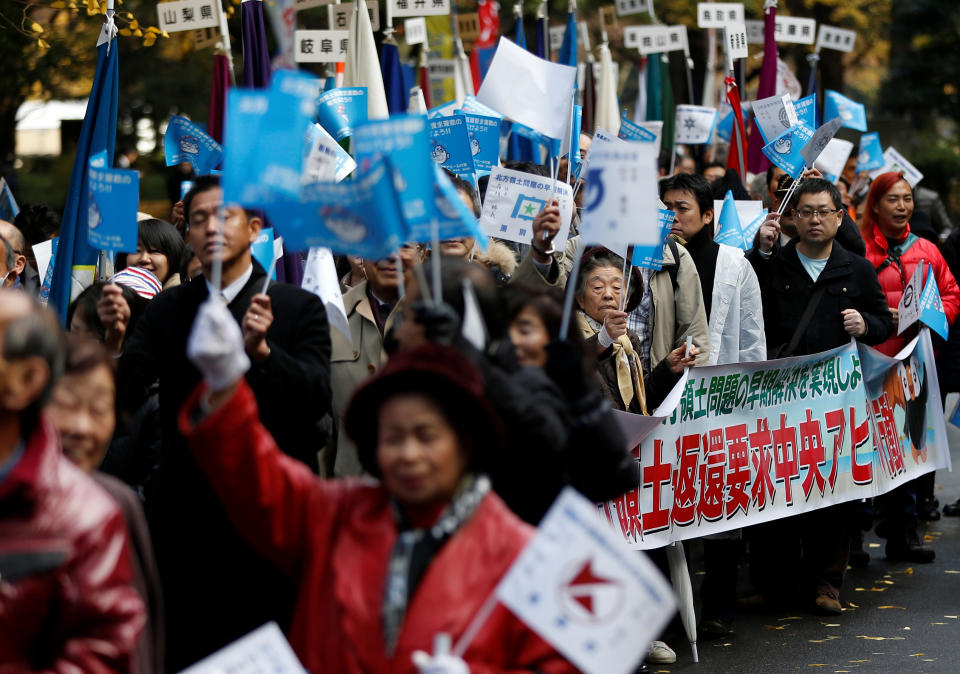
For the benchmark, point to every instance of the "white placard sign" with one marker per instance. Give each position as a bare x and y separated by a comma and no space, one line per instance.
747,212
340,15
183,15
578,586
831,37
401,8
735,40
627,7
754,31
897,162
908,311
441,69
415,31
263,650
513,200
794,29
833,158
556,37
718,14
774,115
308,4
647,39
321,46
677,38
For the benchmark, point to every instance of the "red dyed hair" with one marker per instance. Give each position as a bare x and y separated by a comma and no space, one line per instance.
882,184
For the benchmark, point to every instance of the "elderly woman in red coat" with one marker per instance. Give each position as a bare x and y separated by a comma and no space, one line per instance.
382,567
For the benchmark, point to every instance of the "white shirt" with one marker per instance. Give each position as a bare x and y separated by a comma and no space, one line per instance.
231,291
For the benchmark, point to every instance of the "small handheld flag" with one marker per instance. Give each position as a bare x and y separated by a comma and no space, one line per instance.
853,115
730,230
184,141
932,313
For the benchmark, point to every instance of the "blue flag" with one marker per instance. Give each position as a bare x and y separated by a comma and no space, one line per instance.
184,141
263,251
931,307
784,150
114,200
448,212
484,135
630,130
750,230
339,111
651,257
730,230
8,205
358,217
852,114
444,110
450,146
405,141
263,157
568,49
870,155
97,134
806,109
576,163
475,107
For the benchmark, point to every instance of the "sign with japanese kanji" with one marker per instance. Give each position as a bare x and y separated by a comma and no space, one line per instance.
677,39
754,31
794,29
307,4
415,30
735,40
556,37
718,14
183,15
513,200
737,445
647,39
401,8
205,37
468,26
340,15
626,7
321,46
831,37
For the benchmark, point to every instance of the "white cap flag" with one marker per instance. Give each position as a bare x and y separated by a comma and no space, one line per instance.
582,590
529,90
693,124
774,115
620,199
320,278
897,162
607,113
362,67
833,158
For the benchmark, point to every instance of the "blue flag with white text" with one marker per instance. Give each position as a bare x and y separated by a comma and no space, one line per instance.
340,110
450,146
852,114
184,141
114,201
870,155
784,150
806,109
484,133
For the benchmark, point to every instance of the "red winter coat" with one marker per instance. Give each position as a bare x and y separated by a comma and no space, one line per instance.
66,599
336,537
893,278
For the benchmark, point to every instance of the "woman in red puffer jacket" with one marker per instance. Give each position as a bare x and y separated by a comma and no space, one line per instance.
895,252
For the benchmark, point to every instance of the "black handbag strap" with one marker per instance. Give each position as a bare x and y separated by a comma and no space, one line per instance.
812,305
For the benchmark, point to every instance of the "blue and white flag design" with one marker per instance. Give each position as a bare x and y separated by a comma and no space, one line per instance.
932,313
341,110
870,155
730,230
114,200
184,141
784,150
450,146
853,115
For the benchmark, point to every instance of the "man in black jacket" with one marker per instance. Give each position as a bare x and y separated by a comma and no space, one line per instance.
216,587
849,303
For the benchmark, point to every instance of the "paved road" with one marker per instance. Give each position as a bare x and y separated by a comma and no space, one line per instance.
897,617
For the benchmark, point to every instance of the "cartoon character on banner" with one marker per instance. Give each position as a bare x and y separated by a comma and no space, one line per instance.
906,387
189,145
784,145
439,154
474,145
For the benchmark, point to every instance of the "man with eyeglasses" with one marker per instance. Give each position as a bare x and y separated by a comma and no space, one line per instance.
816,296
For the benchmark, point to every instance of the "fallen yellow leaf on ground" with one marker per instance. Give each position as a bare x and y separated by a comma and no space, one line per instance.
897,607
774,627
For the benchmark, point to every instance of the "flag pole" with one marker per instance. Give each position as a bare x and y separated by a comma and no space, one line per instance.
225,40
571,290
435,260
788,195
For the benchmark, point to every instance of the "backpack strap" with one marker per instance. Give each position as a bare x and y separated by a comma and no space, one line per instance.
674,269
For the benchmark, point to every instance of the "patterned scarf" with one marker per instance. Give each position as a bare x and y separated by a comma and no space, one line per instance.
416,548
628,380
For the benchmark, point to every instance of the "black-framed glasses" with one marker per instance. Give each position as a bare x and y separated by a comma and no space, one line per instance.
807,213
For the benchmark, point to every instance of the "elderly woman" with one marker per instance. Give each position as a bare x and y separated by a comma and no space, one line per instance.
382,567
603,321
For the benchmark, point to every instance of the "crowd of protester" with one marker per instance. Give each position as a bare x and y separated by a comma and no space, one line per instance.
187,462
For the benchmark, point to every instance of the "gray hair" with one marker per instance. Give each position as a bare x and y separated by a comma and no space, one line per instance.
9,254
36,334
601,259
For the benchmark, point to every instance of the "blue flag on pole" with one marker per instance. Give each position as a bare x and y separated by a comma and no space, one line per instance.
852,114
651,257
450,146
358,217
97,134
484,135
114,201
630,130
806,109
870,155
931,307
8,204
568,49
730,230
451,215
784,150
263,250
184,141
339,111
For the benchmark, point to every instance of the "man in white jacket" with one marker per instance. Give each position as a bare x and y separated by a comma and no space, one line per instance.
731,296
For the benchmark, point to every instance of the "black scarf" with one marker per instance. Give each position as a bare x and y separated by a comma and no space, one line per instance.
703,249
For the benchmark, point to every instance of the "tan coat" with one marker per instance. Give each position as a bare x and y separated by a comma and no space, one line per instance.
672,318
350,366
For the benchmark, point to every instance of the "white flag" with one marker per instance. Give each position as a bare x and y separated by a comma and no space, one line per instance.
693,124
774,115
320,278
908,311
897,162
833,158
583,591
608,105
529,90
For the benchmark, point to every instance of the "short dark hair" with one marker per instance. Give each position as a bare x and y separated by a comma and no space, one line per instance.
156,234
86,304
693,183
464,187
85,355
770,170
38,222
200,185
714,164
38,334
816,186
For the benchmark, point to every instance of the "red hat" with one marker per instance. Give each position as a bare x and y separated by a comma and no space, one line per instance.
440,372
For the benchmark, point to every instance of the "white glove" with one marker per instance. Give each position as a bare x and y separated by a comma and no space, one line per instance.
215,346
441,662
